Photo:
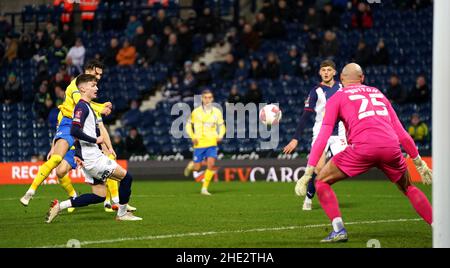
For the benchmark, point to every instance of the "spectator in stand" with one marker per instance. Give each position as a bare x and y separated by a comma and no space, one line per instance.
256,69
59,95
250,39
110,54
418,130
312,45
57,81
299,12
330,19
67,36
5,27
241,71
151,53
173,52
272,66
261,26
420,93
228,68
312,20
189,85
268,9
206,23
41,40
396,92
330,46
133,116
58,52
235,97
139,40
203,76
363,54
148,25
305,68
42,103
119,146
173,88
12,91
133,24
161,22
283,11
134,144
76,55
381,55
290,66
253,94
26,47
11,49
276,29
185,37
127,54
362,17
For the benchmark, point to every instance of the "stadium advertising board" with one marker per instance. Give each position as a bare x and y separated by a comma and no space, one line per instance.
25,172
269,170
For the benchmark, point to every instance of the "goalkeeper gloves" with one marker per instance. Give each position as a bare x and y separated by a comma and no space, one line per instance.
424,170
302,184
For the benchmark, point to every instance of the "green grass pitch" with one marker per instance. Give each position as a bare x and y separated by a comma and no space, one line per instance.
238,215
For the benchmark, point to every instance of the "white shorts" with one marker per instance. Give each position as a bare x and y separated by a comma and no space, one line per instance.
335,145
98,170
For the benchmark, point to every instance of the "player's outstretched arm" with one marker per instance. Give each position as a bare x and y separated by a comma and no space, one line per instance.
302,124
104,108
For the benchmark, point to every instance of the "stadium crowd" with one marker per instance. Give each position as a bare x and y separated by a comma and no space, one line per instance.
144,39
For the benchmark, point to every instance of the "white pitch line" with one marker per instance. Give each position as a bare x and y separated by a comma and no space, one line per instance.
157,237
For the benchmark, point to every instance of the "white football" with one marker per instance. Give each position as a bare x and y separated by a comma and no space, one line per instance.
270,115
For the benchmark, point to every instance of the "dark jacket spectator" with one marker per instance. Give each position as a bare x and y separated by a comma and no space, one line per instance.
119,147
151,54
26,47
305,68
276,29
256,69
241,71
261,26
58,52
329,47
67,36
139,40
173,53
312,20
268,9
330,19
228,68
253,94
420,93
160,23
134,143
43,103
363,54
235,96
396,92
12,92
110,54
250,39
381,54
283,11
272,66
206,22
312,45
203,77
290,64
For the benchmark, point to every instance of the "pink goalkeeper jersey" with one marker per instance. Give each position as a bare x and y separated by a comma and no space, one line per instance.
368,118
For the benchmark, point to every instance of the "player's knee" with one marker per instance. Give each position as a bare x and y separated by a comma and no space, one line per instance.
55,160
60,173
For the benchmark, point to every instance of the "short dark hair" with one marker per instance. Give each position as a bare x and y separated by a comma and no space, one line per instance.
206,91
92,64
328,63
84,78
